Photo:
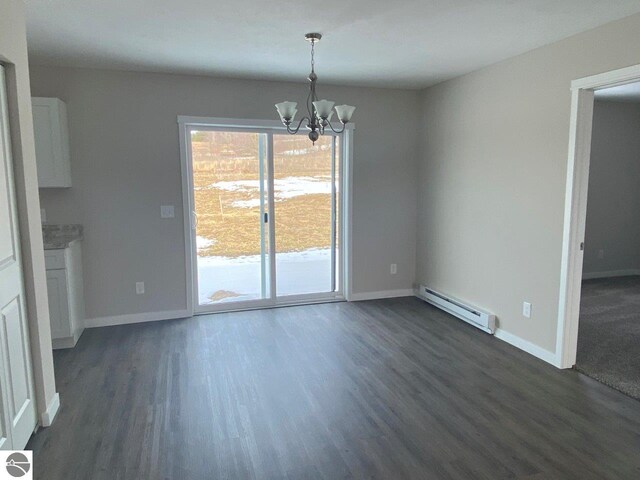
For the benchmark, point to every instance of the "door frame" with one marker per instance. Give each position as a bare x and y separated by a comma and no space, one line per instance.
263,126
18,421
575,213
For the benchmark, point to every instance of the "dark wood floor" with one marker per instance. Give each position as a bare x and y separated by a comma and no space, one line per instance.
386,389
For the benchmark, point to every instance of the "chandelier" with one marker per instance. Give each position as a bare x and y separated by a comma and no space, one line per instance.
319,112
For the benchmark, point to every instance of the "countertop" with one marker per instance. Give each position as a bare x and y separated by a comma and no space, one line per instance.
56,237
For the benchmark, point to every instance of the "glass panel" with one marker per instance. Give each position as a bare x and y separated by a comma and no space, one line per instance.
303,196
230,202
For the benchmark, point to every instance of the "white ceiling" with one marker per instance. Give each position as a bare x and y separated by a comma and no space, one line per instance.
390,43
624,93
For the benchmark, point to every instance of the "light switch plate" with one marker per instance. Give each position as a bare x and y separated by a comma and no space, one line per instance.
167,211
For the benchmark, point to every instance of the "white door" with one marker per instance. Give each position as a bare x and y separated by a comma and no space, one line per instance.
18,418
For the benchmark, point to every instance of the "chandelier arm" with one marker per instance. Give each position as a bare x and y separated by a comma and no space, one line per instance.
293,132
344,126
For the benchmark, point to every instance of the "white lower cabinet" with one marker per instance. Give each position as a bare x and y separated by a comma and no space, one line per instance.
58,304
66,304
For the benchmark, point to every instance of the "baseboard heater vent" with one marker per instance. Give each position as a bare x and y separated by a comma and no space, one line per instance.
472,315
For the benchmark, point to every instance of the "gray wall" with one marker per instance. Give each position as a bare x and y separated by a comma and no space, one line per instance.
613,211
492,177
125,164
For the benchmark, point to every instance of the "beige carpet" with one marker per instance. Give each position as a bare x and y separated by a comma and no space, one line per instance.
609,333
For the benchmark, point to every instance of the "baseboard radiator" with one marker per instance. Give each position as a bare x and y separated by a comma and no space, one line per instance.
472,315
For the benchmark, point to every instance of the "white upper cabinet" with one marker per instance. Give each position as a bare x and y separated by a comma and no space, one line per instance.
52,142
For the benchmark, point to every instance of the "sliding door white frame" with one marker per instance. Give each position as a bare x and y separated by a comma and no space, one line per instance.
186,125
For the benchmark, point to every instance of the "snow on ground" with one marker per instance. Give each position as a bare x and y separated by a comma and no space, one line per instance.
298,272
284,188
203,242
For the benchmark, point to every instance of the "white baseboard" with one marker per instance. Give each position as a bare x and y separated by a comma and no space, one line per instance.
67,342
610,274
52,410
527,346
406,292
63,343
134,318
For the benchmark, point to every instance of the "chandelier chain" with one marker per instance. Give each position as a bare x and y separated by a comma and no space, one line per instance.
313,50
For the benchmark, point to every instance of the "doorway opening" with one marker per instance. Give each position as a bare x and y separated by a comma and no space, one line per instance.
609,324
599,309
265,224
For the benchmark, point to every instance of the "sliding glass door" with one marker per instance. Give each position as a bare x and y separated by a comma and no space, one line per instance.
305,189
265,220
230,205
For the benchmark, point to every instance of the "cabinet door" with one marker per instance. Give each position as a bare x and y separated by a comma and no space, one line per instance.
58,303
52,142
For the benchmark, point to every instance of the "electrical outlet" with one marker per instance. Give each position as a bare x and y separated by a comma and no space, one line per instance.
526,309
600,254
167,211
394,268
139,288
43,215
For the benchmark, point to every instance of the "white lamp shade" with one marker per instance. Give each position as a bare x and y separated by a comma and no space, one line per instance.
344,112
286,110
323,108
